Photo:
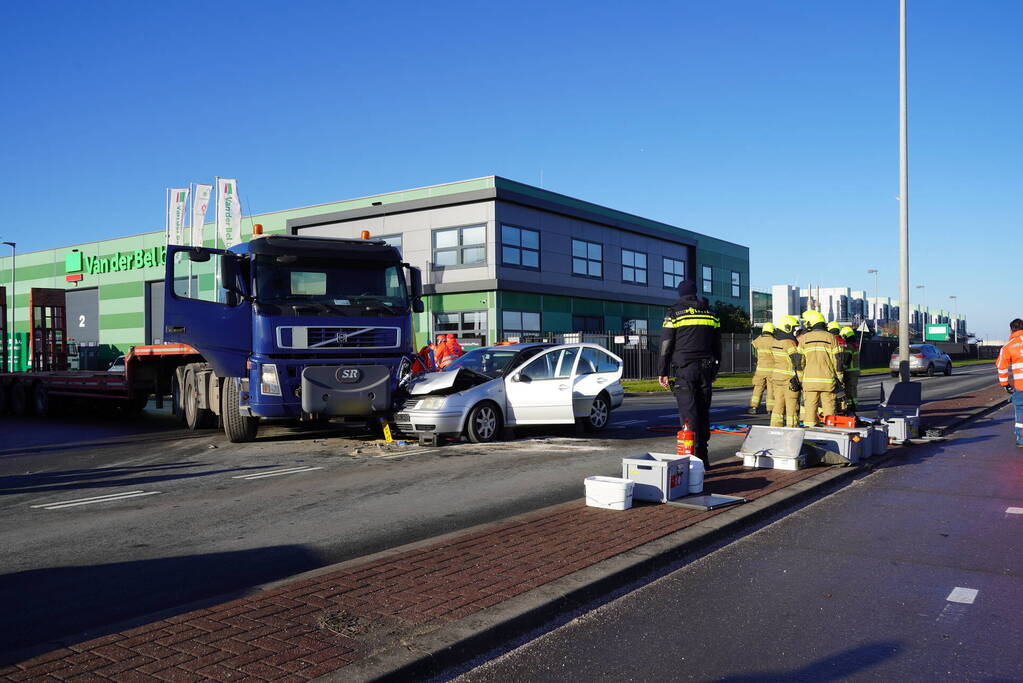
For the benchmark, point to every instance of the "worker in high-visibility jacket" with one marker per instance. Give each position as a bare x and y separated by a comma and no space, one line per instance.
784,383
850,367
762,387
822,368
1010,374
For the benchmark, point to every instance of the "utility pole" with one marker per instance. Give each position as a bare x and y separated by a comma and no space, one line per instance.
955,319
10,330
903,201
923,311
873,271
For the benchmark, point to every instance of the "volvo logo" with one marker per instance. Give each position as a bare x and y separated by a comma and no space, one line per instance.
348,375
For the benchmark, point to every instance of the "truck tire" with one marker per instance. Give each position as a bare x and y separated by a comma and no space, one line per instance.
20,403
5,399
134,407
239,428
177,407
195,417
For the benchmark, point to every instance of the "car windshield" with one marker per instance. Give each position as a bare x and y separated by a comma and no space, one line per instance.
326,287
486,361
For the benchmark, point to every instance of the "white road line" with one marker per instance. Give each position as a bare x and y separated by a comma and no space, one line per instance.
276,473
627,423
402,455
1014,511
965,596
57,505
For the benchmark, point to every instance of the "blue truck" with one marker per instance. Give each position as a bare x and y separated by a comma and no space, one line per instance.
293,327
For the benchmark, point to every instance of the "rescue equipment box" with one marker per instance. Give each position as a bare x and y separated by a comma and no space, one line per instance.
846,444
902,428
609,493
659,477
779,448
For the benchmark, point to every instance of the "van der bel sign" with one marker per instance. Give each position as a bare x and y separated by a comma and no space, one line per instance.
126,260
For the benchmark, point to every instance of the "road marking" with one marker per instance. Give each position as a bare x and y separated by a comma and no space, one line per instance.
276,473
1014,511
402,455
57,505
965,596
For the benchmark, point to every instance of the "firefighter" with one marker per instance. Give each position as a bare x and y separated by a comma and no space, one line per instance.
762,377
784,382
851,371
691,349
821,368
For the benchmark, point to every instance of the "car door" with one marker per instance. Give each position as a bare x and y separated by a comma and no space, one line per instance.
540,392
595,372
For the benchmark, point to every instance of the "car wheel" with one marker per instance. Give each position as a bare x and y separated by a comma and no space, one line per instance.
484,423
600,414
930,370
948,369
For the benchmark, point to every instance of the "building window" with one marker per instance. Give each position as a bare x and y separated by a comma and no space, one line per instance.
392,241
587,259
633,267
520,325
465,246
674,272
736,281
708,279
520,247
469,326
636,326
587,323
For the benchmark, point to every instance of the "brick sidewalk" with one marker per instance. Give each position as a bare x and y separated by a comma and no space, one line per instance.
316,626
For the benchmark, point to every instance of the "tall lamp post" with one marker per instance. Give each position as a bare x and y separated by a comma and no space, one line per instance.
10,330
903,200
923,313
873,271
955,320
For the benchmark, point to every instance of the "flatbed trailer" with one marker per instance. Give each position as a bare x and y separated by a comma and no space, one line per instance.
149,371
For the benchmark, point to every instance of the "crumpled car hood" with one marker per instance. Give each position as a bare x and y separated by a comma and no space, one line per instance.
451,382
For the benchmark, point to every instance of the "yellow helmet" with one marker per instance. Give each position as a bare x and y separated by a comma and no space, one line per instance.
834,327
847,332
812,317
788,323
768,328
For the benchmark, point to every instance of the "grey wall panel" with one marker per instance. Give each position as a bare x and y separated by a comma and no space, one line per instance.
83,315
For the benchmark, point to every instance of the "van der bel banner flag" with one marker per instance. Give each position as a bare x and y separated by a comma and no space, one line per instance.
177,208
229,213
200,202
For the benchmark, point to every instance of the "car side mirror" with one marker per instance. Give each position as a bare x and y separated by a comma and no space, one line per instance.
520,377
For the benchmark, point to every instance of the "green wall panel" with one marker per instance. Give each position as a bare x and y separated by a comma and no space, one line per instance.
115,321
552,321
557,304
519,301
587,307
122,290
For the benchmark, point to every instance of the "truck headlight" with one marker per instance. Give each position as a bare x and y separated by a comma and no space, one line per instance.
432,403
269,384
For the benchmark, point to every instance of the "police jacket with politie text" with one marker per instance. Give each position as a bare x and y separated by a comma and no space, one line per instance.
691,332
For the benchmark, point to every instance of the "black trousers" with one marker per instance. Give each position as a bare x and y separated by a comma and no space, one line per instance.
693,394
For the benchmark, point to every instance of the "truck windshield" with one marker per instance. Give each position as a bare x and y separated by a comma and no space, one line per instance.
325,287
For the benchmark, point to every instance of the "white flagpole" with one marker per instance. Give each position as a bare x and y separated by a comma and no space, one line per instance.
216,244
191,231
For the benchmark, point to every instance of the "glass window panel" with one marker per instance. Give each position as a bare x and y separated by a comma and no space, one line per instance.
542,367
578,248
512,320
448,257
475,318
579,266
708,274
628,274
531,322
594,270
510,235
474,235
640,260
531,258
530,239
308,283
566,362
735,278
628,257
668,280
593,251
641,277
510,255
446,238
474,255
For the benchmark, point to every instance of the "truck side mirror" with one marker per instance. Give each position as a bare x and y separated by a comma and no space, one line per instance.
416,284
198,255
232,275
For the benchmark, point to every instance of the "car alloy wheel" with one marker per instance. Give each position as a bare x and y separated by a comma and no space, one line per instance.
599,412
484,423
930,370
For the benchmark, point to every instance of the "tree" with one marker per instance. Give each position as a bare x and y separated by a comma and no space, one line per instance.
733,318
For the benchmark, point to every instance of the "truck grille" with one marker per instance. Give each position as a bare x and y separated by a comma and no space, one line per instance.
350,337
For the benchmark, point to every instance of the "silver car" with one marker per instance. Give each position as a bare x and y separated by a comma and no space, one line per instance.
924,359
518,384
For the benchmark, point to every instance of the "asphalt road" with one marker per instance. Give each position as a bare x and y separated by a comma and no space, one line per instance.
105,520
911,574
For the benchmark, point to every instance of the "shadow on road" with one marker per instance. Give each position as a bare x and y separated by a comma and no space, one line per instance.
47,608
105,477
839,666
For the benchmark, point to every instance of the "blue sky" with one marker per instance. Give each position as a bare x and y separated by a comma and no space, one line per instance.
772,124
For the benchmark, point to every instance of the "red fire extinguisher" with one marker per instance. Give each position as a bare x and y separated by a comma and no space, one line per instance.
686,441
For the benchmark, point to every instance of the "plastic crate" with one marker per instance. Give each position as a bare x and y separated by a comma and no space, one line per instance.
659,476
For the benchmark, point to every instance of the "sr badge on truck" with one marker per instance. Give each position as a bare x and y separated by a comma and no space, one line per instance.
349,375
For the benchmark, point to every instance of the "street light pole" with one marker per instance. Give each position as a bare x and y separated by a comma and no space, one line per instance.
955,320
10,330
873,271
903,201
923,312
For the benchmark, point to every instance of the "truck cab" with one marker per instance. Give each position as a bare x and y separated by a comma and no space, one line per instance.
290,327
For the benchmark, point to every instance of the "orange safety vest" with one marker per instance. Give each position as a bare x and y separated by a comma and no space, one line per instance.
1010,362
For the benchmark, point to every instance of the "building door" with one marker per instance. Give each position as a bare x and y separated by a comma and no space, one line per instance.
83,316
154,312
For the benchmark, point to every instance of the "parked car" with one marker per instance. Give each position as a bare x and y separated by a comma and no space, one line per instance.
117,365
924,359
517,384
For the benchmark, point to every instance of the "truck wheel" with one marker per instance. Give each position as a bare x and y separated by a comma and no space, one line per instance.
177,407
484,423
134,407
195,417
239,428
5,399
20,404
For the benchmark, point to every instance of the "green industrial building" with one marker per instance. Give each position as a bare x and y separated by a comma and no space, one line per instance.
501,260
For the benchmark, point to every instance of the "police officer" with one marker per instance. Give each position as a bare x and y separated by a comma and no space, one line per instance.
765,364
691,350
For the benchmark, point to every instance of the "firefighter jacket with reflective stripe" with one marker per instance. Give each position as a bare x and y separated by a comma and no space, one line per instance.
1010,362
690,332
821,365
852,356
765,358
785,356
